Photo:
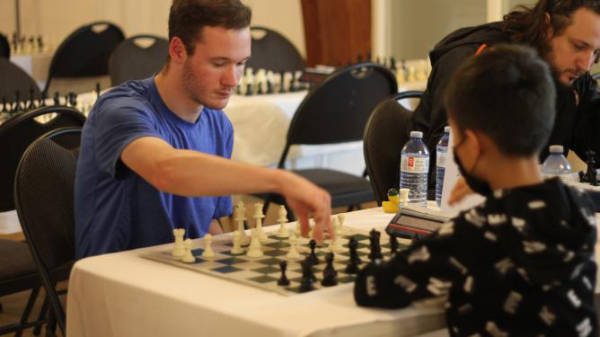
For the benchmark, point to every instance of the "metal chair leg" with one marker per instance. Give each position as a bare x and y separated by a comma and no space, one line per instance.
27,311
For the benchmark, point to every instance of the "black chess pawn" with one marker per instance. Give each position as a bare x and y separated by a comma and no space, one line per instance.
283,280
306,283
591,167
259,90
282,83
329,273
40,43
312,257
42,99
269,86
354,261
393,66
31,104
17,104
293,86
368,56
4,104
56,98
375,245
72,99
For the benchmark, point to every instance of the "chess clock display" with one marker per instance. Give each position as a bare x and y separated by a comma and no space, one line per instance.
411,224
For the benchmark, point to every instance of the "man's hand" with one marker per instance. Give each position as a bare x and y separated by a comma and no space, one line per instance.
305,199
459,191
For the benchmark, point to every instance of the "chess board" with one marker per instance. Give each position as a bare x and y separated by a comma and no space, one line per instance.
264,272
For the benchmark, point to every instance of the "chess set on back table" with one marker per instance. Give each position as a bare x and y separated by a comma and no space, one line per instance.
279,261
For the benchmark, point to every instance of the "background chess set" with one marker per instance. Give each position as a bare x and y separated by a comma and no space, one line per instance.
264,272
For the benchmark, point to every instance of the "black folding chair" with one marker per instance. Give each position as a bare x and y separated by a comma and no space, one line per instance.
12,80
386,133
334,112
134,60
4,47
272,51
21,130
85,52
43,192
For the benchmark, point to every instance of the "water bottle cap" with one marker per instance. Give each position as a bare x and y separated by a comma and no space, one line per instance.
556,149
446,129
416,134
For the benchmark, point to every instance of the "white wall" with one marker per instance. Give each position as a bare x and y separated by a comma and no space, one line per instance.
55,19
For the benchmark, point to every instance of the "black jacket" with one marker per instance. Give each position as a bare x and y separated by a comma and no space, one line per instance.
522,263
575,127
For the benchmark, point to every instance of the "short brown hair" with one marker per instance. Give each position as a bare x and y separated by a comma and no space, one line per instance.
188,17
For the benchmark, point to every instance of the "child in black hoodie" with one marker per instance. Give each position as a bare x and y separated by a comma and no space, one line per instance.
522,263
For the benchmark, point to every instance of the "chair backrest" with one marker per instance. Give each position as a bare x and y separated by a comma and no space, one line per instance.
272,51
4,46
18,132
85,52
13,79
337,110
132,60
44,184
385,134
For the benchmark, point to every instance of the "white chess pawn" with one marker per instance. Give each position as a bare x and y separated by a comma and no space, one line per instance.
336,246
254,250
341,218
258,216
208,251
237,244
179,248
411,74
283,232
239,217
188,257
404,200
293,253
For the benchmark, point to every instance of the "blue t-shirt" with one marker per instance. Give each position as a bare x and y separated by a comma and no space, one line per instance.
116,209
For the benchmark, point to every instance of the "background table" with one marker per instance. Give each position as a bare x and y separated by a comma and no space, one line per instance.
123,294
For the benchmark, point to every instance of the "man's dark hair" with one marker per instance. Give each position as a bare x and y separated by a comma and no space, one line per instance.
188,17
529,26
508,94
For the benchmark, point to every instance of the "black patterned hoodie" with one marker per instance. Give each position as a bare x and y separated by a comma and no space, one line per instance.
520,264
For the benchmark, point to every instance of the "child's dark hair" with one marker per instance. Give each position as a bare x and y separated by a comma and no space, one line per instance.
507,93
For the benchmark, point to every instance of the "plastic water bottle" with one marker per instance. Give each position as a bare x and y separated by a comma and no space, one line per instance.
441,151
556,165
414,167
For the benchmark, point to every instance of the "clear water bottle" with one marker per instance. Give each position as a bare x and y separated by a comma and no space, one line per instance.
441,151
414,167
556,165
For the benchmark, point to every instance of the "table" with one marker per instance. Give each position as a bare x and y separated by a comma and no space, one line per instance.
36,65
123,294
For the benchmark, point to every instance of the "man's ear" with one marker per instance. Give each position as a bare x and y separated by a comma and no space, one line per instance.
177,51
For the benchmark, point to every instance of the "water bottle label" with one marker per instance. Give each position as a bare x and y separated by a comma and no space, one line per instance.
441,158
415,164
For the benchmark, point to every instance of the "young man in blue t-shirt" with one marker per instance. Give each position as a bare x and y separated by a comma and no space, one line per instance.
153,152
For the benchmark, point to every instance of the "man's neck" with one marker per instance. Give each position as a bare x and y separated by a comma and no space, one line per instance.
172,93
514,172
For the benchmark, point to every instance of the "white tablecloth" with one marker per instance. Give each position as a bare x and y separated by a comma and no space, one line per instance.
123,294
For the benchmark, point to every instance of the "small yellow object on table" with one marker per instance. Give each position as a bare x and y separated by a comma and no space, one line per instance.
391,206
